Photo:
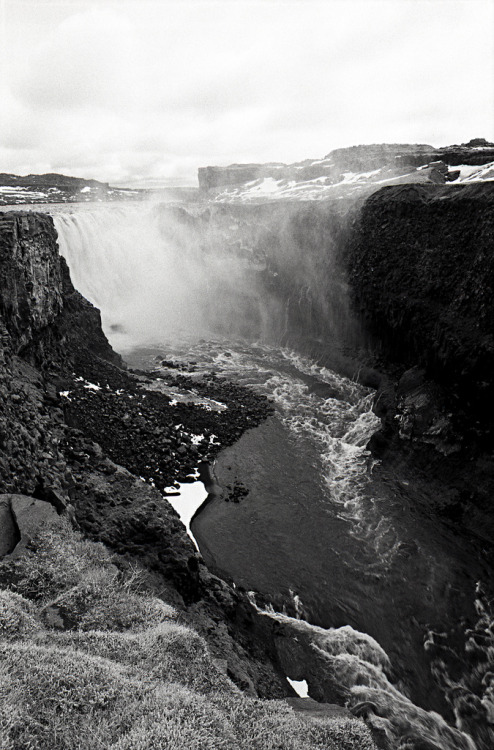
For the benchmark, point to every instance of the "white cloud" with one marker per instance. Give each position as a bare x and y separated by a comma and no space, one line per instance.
127,90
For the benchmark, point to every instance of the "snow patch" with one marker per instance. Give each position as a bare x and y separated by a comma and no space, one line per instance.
472,173
300,687
192,496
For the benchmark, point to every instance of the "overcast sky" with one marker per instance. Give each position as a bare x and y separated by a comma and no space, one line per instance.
150,90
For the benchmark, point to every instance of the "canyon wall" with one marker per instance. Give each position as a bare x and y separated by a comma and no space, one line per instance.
420,266
422,275
417,262
395,289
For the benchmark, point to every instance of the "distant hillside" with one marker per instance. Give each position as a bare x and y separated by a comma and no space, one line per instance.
59,188
350,171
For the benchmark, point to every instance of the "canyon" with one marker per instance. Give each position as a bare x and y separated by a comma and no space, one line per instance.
389,287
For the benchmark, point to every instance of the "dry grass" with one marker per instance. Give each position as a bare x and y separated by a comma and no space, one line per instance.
56,560
17,616
89,663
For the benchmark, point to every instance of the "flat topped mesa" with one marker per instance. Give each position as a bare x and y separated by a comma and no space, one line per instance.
348,168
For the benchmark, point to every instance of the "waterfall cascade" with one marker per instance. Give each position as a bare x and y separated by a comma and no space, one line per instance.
166,272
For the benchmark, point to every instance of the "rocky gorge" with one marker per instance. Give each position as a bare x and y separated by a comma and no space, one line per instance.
409,315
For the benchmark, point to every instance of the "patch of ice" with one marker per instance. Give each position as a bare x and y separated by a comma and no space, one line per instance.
86,189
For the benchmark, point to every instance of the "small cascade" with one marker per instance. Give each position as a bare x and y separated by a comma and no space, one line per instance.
358,670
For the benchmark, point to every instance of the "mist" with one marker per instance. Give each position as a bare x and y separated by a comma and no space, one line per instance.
153,279
162,272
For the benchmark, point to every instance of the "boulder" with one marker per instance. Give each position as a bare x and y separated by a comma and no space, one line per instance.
9,535
31,516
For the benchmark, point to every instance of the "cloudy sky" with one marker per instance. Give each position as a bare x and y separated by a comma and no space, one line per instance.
133,92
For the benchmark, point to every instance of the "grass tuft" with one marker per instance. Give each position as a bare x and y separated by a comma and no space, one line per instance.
114,669
17,616
56,559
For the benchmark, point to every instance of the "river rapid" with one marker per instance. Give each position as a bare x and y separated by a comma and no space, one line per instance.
308,521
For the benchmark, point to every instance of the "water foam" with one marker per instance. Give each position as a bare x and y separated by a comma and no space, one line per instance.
357,665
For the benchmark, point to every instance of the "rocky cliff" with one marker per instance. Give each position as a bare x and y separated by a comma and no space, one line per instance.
423,277
420,263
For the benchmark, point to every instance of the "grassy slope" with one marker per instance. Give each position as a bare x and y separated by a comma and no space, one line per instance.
89,660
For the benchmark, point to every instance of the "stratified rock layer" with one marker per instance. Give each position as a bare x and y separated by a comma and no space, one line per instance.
392,159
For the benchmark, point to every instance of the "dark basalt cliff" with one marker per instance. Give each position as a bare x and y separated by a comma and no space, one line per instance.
421,269
423,275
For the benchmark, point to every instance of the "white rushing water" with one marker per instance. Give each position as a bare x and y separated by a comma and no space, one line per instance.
154,291
149,280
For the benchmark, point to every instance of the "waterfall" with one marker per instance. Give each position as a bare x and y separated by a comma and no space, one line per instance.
120,261
164,272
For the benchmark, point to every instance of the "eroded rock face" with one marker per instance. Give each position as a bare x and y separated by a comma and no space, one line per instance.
30,275
45,327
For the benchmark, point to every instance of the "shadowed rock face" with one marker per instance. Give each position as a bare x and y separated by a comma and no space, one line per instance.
30,275
422,276
40,311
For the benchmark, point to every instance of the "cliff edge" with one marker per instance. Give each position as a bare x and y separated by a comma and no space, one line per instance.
420,264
